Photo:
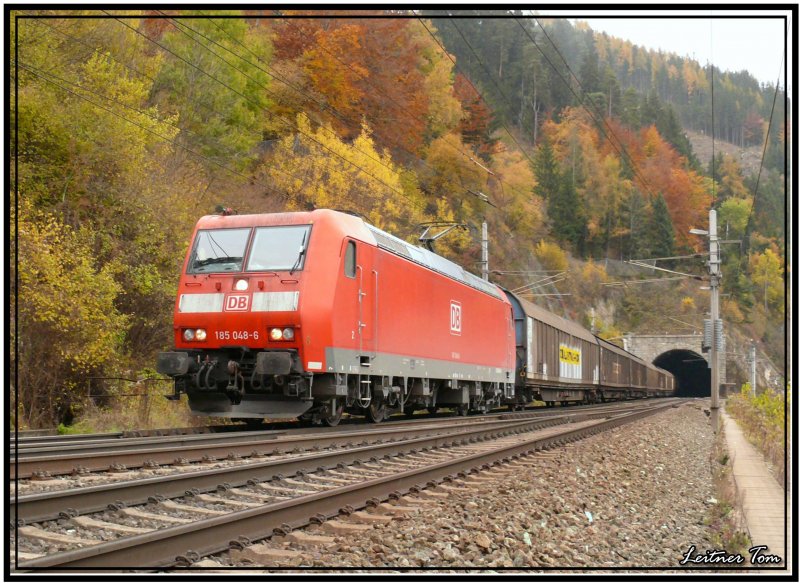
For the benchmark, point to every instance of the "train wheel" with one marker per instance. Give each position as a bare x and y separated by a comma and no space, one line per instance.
409,412
433,410
376,412
463,410
332,420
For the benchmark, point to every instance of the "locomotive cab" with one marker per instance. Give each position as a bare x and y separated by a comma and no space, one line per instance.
238,331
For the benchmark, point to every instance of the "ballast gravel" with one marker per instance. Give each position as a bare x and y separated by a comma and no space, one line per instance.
634,497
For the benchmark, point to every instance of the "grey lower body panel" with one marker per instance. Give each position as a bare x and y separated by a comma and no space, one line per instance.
252,406
340,360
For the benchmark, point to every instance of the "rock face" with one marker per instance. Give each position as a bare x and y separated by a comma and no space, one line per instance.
633,497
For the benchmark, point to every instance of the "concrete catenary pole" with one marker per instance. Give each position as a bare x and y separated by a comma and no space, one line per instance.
753,368
714,270
485,251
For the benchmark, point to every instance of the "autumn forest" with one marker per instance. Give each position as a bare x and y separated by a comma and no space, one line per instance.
571,145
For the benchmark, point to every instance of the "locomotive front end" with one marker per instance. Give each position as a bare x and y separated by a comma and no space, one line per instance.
237,325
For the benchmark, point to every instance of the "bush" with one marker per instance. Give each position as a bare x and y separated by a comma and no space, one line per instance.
763,420
551,256
68,326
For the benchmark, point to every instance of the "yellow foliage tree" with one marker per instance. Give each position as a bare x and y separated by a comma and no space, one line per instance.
551,256
67,323
317,169
767,273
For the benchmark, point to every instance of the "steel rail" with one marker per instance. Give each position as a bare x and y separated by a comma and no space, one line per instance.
168,546
25,441
102,456
49,505
108,446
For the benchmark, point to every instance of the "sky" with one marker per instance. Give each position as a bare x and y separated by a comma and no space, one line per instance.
749,42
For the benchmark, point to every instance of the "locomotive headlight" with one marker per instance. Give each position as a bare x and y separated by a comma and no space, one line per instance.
188,335
200,334
288,334
240,285
276,334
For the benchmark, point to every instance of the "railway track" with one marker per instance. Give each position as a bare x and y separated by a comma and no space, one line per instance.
45,460
164,521
48,437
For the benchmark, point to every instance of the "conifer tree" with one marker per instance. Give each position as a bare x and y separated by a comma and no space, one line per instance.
545,168
567,214
637,214
662,235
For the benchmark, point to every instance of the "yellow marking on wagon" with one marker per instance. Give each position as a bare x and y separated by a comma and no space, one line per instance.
569,355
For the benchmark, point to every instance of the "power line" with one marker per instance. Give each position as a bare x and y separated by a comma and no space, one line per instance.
153,80
125,64
271,114
183,130
763,154
325,106
270,71
145,114
400,108
173,21
148,130
497,86
581,101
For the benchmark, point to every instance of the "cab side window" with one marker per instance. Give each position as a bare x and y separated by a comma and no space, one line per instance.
350,260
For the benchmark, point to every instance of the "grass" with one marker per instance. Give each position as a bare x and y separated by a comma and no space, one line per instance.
149,410
762,418
723,518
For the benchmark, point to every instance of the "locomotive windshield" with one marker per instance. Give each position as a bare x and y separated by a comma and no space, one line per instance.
272,249
278,248
219,250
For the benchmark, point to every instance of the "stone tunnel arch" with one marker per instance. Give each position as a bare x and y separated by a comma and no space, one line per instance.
692,375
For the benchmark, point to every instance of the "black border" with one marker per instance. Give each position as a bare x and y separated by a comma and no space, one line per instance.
616,571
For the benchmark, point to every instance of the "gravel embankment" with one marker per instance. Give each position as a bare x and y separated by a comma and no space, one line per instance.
647,487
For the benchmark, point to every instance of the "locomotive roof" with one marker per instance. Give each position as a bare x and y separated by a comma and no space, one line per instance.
432,261
352,223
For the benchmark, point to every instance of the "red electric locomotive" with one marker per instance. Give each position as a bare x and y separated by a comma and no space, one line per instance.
314,313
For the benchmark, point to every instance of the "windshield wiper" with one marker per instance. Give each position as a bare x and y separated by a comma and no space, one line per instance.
210,260
299,255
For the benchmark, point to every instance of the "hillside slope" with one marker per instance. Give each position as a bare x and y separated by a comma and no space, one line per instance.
749,158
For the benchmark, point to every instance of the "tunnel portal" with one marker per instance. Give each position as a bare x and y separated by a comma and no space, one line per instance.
692,375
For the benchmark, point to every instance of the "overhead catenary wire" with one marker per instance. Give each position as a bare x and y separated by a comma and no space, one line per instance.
560,276
623,152
183,130
148,130
499,89
763,154
271,114
626,282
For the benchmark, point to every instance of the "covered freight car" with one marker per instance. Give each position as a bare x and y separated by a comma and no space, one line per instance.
556,359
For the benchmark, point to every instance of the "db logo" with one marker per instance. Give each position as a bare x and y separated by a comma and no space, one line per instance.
234,303
455,318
